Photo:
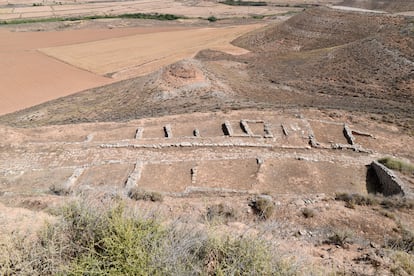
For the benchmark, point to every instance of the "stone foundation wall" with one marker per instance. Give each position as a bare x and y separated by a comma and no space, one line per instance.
390,183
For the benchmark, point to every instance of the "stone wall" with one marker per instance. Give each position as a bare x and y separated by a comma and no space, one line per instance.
390,183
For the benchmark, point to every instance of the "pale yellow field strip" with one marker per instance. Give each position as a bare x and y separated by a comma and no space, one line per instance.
143,53
79,8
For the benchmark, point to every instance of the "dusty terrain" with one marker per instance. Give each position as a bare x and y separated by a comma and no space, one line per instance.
228,111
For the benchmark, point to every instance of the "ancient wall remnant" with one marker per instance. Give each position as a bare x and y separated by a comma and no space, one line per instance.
312,141
139,132
68,185
196,132
193,175
134,177
245,127
348,135
390,183
284,130
227,129
168,131
267,131
89,138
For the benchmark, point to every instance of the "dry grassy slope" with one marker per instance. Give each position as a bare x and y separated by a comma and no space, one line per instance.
386,5
372,67
346,56
314,29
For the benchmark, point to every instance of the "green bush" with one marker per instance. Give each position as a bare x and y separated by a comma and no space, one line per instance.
125,246
263,207
340,237
308,213
140,194
212,19
403,263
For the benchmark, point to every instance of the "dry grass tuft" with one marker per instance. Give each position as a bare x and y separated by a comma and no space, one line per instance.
140,194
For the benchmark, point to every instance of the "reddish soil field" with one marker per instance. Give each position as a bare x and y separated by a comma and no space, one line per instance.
32,77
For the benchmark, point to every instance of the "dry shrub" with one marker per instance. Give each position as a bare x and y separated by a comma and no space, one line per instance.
59,189
356,199
263,206
221,211
140,194
403,263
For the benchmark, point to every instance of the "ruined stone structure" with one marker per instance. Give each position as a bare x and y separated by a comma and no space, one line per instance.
390,183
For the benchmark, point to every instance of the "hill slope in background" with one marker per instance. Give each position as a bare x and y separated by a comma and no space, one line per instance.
322,58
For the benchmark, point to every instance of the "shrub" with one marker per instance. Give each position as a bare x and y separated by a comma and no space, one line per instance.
226,256
356,199
263,206
403,263
124,246
140,194
212,19
59,189
220,211
340,238
403,243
